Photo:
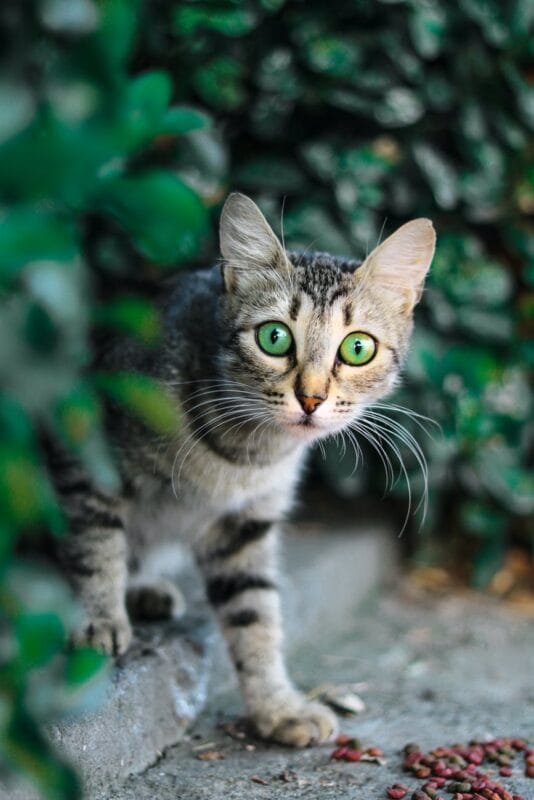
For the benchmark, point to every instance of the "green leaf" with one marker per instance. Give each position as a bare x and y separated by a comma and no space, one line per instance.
145,398
192,19
83,664
183,119
334,56
28,234
15,423
439,173
116,32
43,162
39,637
483,519
25,748
475,281
77,416
221,83
147,98
399,107
24,494
132,315
427,28
39,330
165,218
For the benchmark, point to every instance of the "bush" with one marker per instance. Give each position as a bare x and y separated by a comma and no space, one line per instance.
87,213
353,119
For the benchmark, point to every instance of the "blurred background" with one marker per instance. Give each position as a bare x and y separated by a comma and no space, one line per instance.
123,126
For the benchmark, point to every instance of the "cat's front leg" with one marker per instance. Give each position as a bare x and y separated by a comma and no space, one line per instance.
239,564
94,557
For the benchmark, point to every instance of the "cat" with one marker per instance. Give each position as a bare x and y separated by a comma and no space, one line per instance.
263,356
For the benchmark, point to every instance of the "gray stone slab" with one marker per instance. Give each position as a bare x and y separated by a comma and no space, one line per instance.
160,685
433,671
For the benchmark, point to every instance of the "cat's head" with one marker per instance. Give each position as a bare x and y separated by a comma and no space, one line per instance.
317,338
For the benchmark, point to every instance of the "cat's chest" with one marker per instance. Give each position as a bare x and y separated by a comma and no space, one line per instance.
209,488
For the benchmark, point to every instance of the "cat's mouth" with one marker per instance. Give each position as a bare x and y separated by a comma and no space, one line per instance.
304,427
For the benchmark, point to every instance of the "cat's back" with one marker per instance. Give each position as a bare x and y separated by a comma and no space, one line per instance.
189,304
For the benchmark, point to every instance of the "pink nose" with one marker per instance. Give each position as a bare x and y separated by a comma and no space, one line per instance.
309,404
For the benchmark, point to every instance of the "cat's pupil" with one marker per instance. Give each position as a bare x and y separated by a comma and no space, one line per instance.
275,333
357,347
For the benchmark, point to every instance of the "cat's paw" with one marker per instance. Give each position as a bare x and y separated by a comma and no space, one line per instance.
110,636
297,722
155,601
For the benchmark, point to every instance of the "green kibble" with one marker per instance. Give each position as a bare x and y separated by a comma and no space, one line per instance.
463,787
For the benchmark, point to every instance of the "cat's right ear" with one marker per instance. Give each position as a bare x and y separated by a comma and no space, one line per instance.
248,244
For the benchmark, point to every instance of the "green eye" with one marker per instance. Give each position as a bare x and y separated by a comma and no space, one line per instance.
274,338
357,349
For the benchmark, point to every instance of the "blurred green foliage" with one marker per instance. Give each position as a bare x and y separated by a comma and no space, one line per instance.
94,199
349,118
352,118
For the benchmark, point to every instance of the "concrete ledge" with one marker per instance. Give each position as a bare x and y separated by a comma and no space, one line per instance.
155,694
160,685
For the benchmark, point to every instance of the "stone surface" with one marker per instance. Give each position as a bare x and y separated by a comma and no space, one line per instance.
160,685
434,671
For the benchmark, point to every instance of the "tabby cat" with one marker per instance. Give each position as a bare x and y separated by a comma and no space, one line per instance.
263,356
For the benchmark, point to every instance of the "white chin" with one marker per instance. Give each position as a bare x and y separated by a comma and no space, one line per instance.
305,431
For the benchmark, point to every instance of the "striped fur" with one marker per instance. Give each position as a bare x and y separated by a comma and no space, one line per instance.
226,480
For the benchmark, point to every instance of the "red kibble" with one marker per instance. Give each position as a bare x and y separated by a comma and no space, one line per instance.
505,772
529,772
343,740
412,758
376,752
397,791
475,757
529,758
422,772
519,744
462,775
353,755
339,753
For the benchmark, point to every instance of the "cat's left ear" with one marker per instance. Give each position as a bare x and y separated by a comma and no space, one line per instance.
248,244
399,265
